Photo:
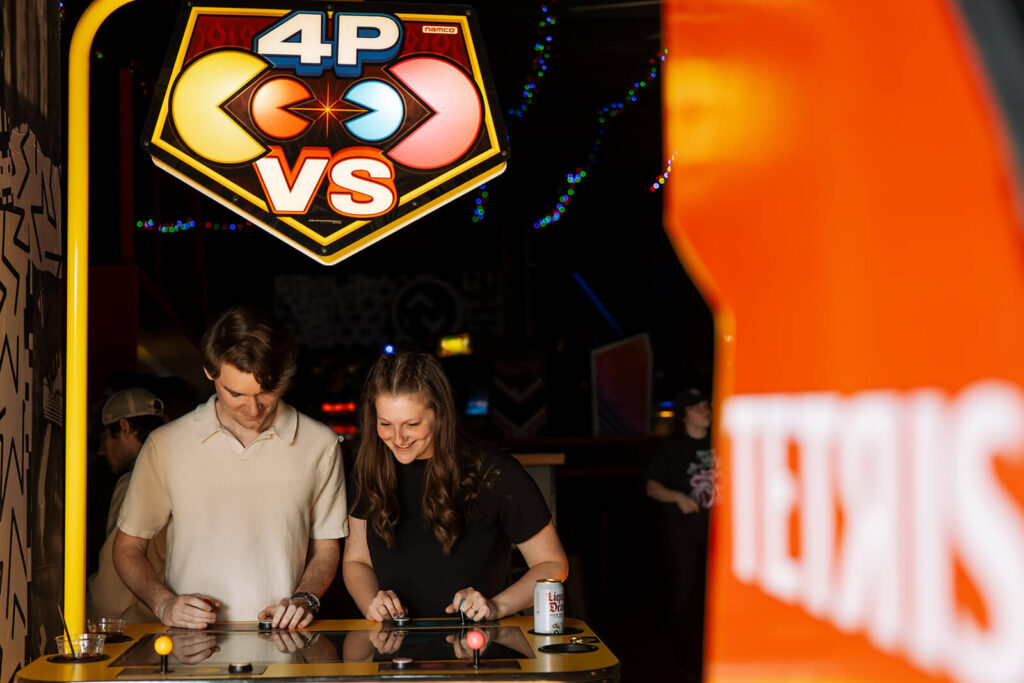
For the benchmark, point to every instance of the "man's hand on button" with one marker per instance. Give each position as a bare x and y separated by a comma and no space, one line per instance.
289,613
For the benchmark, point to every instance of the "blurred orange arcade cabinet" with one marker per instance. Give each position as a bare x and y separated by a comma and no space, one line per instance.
846,193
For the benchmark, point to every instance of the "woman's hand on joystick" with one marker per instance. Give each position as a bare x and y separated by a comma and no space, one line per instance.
473,604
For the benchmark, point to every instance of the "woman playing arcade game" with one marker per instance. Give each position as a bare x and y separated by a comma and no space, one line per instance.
434,518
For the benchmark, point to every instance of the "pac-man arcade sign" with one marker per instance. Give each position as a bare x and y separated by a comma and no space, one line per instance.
330,125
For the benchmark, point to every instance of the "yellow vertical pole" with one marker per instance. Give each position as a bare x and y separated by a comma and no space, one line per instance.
78,303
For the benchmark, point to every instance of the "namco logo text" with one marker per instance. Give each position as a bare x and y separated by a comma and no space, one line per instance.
452,30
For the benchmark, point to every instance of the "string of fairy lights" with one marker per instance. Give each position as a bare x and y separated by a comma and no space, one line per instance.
538,67
605,116
660,181
151,225
539,64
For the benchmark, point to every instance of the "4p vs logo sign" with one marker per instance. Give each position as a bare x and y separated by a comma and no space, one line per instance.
331,126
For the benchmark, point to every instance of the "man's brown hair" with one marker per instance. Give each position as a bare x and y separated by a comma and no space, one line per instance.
254,342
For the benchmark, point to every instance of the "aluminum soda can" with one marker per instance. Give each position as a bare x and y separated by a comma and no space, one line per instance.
548,606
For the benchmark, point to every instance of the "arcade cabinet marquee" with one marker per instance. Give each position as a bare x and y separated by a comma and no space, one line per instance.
330,126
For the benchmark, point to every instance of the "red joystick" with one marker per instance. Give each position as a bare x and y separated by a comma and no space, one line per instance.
476,640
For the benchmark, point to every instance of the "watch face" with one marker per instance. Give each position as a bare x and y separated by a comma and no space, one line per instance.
311,600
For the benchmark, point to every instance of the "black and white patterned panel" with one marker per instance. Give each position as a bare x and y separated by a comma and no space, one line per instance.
31,343
31,395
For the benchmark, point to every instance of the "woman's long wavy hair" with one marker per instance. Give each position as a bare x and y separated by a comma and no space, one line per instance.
452,477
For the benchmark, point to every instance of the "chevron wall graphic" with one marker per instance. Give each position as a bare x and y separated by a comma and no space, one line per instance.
518,398
31,350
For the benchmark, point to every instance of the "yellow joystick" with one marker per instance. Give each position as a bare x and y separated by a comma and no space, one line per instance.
163,645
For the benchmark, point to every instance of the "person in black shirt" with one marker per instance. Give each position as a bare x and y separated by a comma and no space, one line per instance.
681,472
434,518
682,477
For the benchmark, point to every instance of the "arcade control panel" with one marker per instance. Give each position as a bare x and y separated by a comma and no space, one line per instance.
436,649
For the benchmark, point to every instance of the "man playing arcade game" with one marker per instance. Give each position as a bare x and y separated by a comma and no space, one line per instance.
255,491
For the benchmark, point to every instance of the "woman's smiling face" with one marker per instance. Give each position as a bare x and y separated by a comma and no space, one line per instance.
407,425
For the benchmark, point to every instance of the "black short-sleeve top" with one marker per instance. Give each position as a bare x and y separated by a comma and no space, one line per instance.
509,510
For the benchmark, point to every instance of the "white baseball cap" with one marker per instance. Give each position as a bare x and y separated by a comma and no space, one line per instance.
130,403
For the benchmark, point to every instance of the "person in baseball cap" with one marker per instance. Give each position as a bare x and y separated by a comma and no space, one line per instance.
128,416
689,397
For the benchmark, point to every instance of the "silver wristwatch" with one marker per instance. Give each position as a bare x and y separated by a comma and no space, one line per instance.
311,600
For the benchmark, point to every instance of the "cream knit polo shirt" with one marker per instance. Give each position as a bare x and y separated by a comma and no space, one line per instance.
240,517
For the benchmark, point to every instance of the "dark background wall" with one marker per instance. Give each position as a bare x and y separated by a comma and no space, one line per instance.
514,283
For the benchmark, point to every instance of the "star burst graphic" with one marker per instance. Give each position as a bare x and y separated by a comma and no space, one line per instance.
327,107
